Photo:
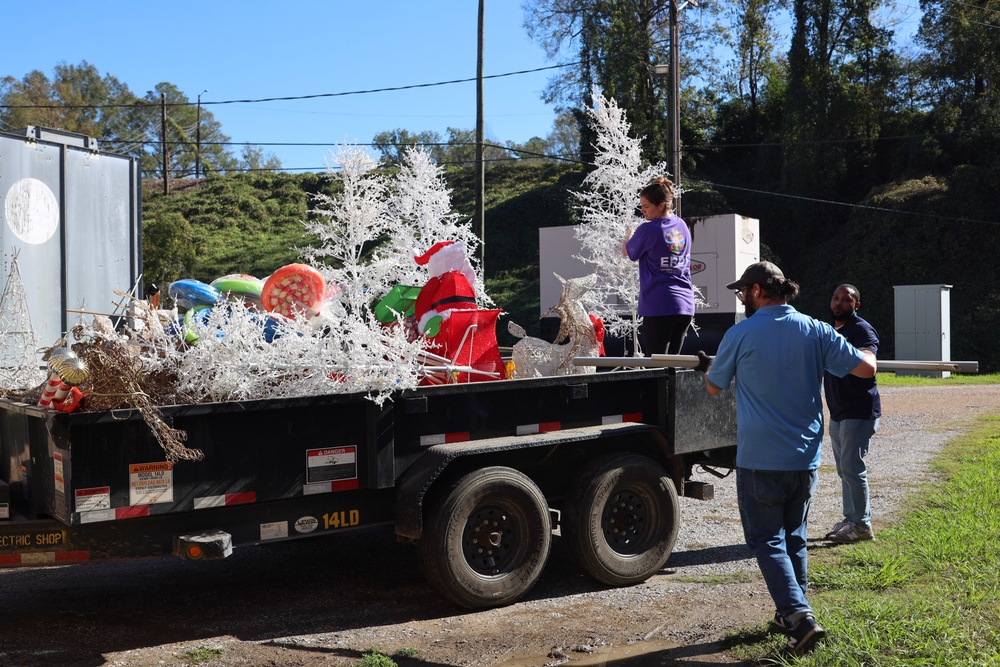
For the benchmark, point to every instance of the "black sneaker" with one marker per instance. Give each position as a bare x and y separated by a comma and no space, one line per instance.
803,637
780,623
837,527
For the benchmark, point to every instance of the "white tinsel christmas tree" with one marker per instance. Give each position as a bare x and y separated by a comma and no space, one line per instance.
421,208
18,341
608,209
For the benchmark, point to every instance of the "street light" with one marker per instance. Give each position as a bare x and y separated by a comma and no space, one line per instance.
197,139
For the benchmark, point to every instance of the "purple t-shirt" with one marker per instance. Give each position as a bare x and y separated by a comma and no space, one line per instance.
663,249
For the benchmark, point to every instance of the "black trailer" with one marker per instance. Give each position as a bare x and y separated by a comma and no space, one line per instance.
477,475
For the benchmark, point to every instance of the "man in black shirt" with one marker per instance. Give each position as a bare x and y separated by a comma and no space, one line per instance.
855,409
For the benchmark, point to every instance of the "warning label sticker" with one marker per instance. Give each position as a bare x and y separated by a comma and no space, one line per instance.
90,500
57,473
275,530
151,483
331,464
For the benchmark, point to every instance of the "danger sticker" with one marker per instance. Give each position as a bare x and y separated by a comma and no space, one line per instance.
91,500
331,464
151,483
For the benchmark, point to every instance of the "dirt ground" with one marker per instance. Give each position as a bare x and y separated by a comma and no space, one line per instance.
304,604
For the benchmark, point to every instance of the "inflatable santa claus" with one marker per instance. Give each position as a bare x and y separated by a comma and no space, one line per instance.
449,287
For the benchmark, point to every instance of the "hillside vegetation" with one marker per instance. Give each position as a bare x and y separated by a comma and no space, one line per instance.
252,223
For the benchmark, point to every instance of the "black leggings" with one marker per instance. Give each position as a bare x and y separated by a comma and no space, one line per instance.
664,334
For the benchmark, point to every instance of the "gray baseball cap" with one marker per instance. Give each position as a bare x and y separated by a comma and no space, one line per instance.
761,273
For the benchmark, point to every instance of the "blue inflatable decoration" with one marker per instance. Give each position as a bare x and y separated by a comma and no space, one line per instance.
188,293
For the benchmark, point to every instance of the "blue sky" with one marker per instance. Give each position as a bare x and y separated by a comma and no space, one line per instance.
253,49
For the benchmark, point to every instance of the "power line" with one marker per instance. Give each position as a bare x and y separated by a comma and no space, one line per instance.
809,142
849,205
143,103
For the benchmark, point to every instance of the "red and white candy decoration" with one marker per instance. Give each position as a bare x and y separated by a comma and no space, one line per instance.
293,289
66,370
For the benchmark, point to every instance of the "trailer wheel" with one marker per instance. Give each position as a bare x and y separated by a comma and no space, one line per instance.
621,519
487,539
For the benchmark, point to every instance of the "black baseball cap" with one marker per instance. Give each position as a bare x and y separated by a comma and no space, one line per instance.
761,273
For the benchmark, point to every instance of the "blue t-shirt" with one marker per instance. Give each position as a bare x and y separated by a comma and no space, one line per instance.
777,357
663,249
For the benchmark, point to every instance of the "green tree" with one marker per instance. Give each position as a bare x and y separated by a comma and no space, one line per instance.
183,137
533,150
754,47
460,149
76,99
392,144
167,249
962,69
617,43
564,139
253,158
840,85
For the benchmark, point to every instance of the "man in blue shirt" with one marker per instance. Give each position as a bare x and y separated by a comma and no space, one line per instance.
855,409
777,357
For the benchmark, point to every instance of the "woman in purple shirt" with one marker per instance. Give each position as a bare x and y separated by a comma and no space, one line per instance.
662,247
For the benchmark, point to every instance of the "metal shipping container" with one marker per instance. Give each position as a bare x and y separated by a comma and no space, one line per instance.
72,216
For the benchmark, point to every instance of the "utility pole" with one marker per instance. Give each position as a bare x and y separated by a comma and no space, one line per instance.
197,139
675,107
480,167
163,141
672,72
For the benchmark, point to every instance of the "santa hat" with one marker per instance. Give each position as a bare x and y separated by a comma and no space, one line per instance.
426,257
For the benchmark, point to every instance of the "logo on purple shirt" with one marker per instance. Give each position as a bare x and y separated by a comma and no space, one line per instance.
675,239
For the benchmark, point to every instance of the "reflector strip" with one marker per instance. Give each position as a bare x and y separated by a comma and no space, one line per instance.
44,558
114,513
242,498
327,487
620,419
530,429
544,427
442,438
131,512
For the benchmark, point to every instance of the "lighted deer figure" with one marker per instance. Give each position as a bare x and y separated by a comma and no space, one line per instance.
534,357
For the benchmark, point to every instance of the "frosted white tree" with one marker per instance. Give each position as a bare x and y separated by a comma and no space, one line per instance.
422,216
607,209
348,223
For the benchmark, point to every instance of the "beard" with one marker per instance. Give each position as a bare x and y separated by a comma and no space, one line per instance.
749,309
843,316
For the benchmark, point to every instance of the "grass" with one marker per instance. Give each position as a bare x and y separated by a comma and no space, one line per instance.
202,654
926,592
375,659
894,380
378,657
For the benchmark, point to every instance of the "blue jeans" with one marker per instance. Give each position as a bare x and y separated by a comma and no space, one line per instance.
774,506
850,438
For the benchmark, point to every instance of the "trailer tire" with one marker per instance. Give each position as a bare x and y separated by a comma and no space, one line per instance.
621,519
478,568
